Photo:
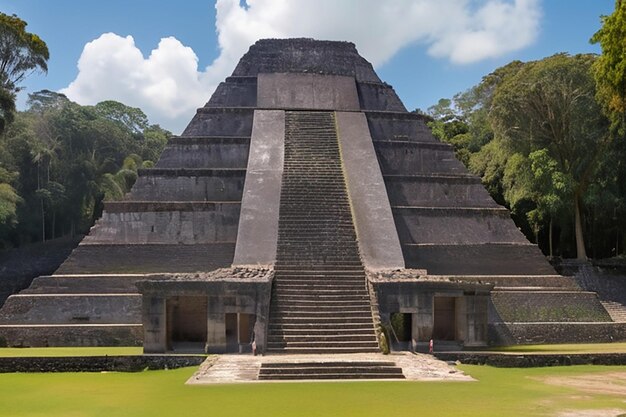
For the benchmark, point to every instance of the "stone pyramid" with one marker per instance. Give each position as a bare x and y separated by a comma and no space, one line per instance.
308,206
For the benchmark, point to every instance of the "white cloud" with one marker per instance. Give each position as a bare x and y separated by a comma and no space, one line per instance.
169,86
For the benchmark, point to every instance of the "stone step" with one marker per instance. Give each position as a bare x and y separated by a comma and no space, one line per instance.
312,330
616,310
84,284
325,273
341,376
321,320
323,295
317,247
320,310
277,337
360,299
284,266
329,370
324,307
324,345
294,283
321,350
352,287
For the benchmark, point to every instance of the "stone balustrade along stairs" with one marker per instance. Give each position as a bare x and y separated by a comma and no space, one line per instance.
616,310
320,302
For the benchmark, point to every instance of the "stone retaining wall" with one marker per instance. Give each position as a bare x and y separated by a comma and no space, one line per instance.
19,266
98,363
504,334
502,360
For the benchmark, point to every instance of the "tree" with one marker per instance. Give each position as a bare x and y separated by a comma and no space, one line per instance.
7,108
550,105
21,53
132,118
610,68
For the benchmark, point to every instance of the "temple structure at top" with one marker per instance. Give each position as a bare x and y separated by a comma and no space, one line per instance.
304,209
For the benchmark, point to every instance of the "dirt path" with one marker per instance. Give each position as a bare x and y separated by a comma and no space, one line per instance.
613,383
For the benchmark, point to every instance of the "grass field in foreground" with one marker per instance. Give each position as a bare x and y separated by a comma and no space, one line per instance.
70,351
619,347
498,392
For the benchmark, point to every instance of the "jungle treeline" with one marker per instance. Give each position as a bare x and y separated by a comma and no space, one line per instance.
59,160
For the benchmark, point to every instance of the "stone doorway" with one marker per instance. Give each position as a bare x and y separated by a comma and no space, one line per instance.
239,332
444,314
186,323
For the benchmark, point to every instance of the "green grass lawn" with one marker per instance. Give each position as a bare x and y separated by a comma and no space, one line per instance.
498,392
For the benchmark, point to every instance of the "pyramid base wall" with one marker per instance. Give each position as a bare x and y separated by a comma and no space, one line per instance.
71,335
506,334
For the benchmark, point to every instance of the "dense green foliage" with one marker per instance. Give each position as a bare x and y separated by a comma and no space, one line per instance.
60,160
610,67
21,52
538,138
496,392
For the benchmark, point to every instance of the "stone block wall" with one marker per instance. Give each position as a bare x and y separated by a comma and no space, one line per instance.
411,158
72,308
548,306
438,191
220,122
194,223
455,225
479,259
235,92
399,127
148,258
378,97
201,153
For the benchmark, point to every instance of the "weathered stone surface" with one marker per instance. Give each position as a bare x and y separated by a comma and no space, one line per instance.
217,185
19,266
258,224
307,91
446,226
520,360
392,126
373,220
148,258
548,306
477,259
98,363
227,291
379,96
235,92
184,216
444,191
305,56
400,157
201,152
550,333
72,308
160,224
77,335
229,121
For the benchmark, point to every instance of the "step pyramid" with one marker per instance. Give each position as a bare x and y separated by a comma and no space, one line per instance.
305,162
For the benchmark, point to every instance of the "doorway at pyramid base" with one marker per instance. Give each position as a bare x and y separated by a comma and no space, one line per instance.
223,311
228,311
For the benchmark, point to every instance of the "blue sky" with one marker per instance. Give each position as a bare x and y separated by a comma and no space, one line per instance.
414,44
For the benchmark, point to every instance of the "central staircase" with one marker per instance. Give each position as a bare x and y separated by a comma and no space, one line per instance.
320,302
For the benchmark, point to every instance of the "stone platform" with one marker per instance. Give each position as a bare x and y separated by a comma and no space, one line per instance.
228,369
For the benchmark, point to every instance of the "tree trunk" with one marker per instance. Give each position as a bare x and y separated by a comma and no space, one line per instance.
550,238
43,223
578,228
